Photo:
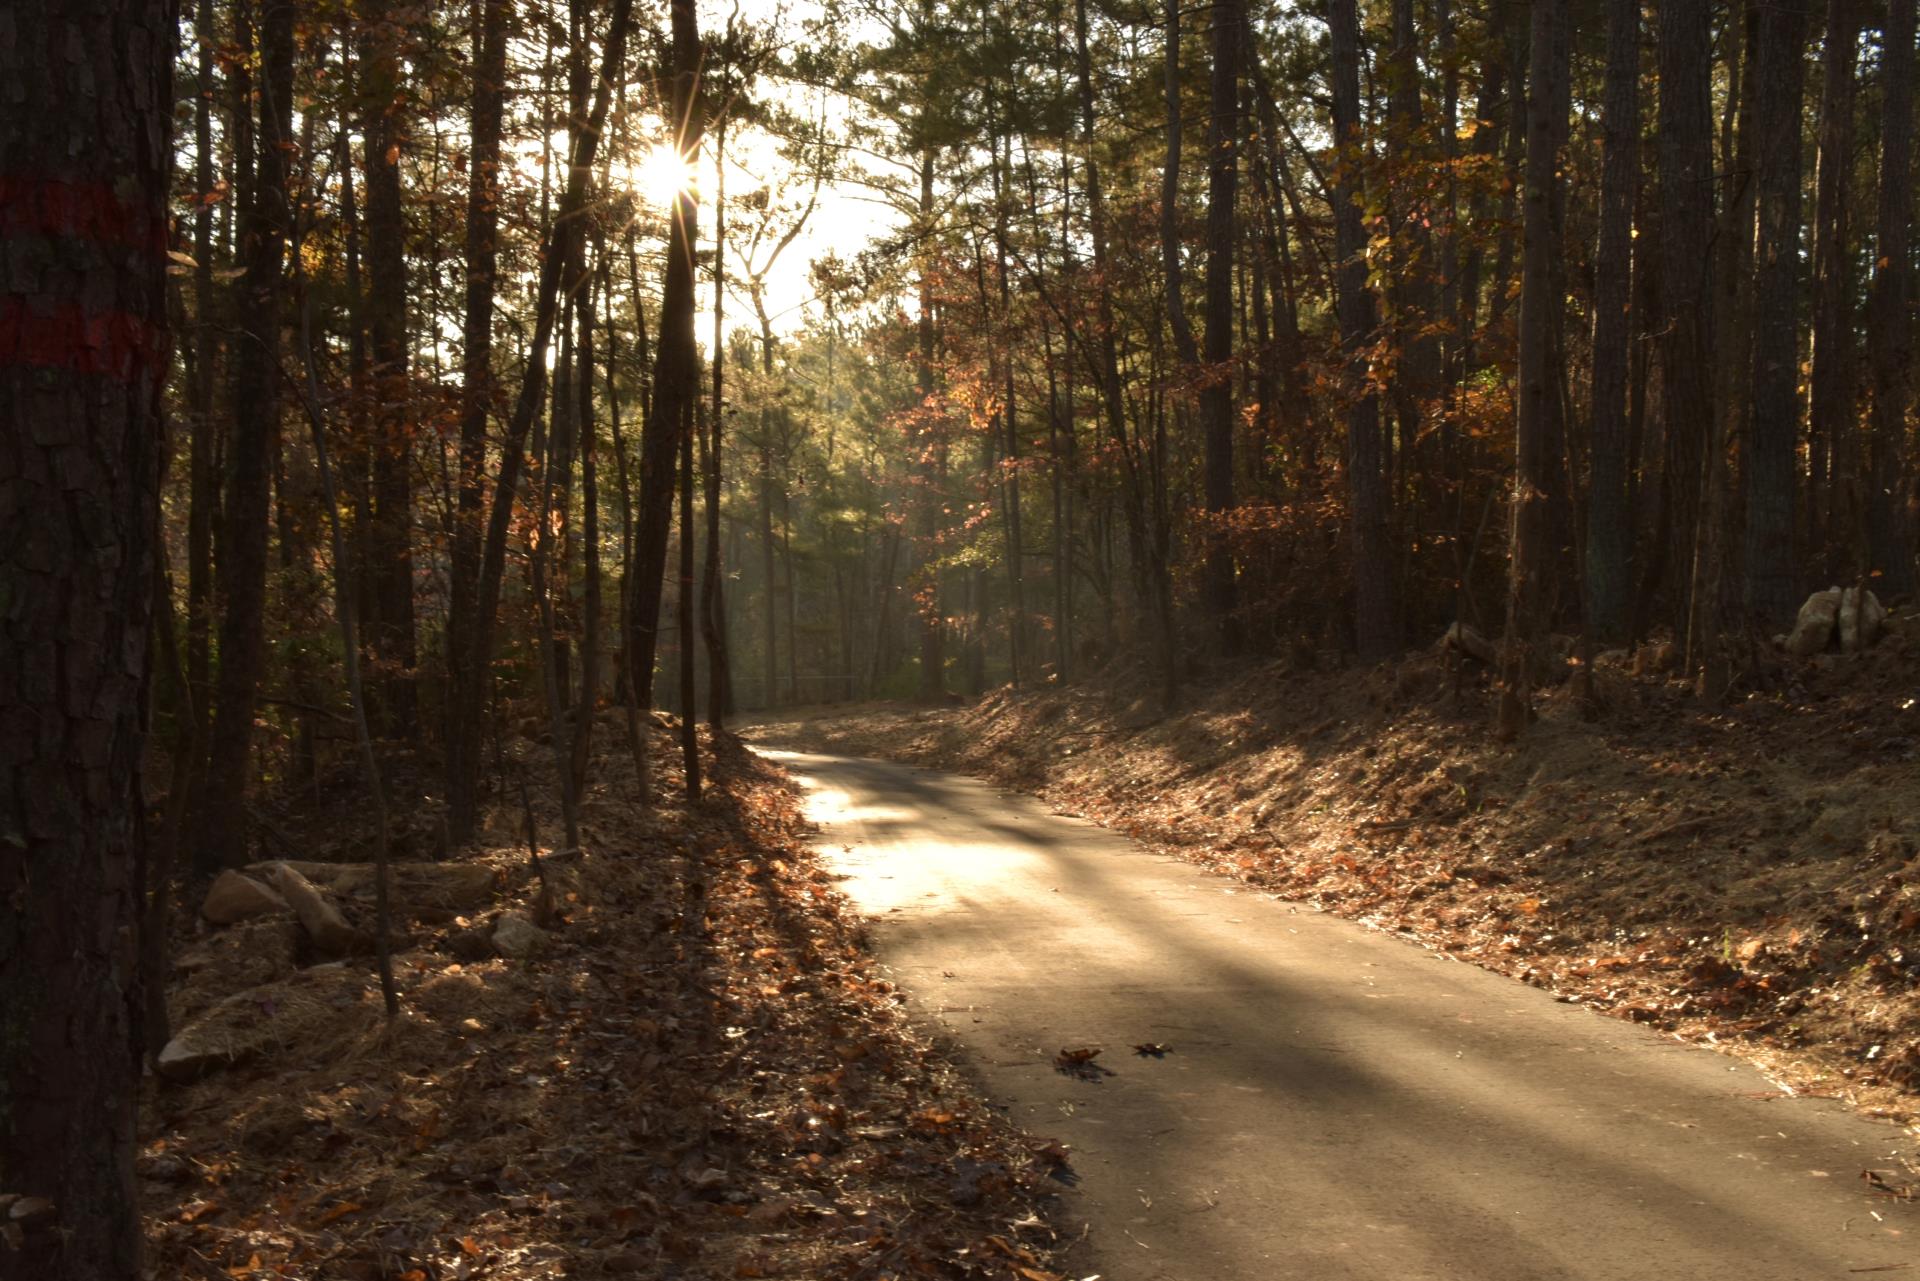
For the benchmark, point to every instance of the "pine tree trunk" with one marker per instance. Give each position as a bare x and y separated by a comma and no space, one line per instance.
1531,555
483,221
1376,625
1686,238
1772,571
391,534
222,831
676,379
85,150
1832,515
1216,401
1609,516
1890,336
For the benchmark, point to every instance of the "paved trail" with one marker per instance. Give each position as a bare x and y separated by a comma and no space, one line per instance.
1338,1103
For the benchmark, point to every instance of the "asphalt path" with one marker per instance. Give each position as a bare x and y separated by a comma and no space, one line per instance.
1335,1102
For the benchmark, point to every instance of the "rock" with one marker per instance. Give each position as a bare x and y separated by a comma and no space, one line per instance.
416,889
472,944
1814,626
516,937
1466,640
235,896
297,1011
329,930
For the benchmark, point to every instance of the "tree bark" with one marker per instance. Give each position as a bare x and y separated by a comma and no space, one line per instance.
391,532
676,379
85,150
1609,517
1832,506
222,837
1376,624
1216,401
483,223
1686,241
1890,336
1540,305
1773,432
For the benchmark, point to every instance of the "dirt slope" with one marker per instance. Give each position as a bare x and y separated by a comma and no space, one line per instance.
1744,876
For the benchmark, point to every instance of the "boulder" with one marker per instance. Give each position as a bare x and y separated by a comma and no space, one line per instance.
303,1010
329,930
1465,640
234,897
416,889
474,943
516,937
1814,627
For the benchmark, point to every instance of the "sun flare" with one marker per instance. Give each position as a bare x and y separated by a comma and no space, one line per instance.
661,174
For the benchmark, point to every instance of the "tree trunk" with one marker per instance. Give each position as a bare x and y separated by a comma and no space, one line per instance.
483,222
1774,415
1832,516
1531,554
204,491
928,610
713,627
222,833
1609,517
391,541
85,143
1890,336
1686,239
676,379
1216,401
683,611
1376,625
562,236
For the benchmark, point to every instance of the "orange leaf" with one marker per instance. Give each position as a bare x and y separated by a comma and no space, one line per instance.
339,1211
470,1246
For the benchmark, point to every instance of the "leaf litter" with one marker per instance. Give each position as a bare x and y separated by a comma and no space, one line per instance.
703,1075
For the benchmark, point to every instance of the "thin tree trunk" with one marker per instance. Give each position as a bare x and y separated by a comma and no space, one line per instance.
391,540
222,841
1376,625
483,221
676,371
1890,336
712,589
1531,554
1772,571
585,706
1833,507
1216,400
1609,517
561,236
689,690
1686,237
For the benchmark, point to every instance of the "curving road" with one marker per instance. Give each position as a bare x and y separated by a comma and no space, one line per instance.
1336,1103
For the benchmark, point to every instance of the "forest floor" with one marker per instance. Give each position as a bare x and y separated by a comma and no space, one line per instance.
691,1070
1743,876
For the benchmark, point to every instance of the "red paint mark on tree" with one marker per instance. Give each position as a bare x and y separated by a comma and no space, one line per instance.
37,206
114,344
